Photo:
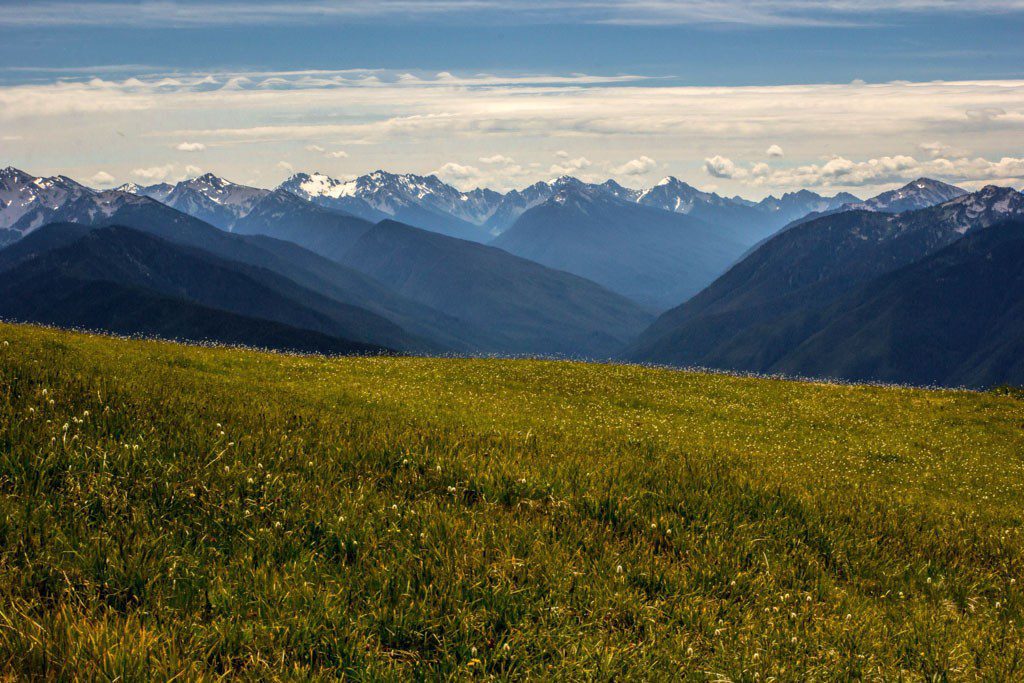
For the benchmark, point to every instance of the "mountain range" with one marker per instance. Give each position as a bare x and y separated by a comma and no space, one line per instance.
769,311
878,289
527,309
652,256
480,214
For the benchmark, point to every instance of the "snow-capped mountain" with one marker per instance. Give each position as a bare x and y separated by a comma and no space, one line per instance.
213,199
672,194
740,219
919,194
27,201
517,202
158,191
328,192
984,208
426,201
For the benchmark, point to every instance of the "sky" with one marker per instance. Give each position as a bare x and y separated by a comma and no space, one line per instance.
745,97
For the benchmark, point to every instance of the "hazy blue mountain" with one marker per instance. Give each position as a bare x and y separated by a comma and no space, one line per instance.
795,205
97,267
652,256
520,306
287,217
157,191
212,199
429,330
954,318
774,299
919,194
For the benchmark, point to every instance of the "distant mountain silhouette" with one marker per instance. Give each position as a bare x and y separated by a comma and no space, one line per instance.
519,305
779,296
125,281
655,257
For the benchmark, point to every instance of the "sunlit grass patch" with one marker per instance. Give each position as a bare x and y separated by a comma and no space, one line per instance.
169,510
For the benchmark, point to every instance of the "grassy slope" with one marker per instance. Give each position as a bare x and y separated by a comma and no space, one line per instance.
172,510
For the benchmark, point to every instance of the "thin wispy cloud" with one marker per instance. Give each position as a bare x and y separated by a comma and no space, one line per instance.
191,14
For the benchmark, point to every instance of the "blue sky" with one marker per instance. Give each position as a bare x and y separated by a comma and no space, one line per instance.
90,69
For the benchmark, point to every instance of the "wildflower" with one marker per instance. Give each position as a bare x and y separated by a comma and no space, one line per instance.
618,569
227,468
472,651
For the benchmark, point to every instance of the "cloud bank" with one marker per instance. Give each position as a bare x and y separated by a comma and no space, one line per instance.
513,130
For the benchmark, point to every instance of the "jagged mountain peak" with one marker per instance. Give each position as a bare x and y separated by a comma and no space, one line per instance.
917,194
16,174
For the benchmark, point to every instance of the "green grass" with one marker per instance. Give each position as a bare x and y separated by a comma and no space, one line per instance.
174,511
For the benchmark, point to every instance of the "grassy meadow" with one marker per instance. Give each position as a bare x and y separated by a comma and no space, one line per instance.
180,512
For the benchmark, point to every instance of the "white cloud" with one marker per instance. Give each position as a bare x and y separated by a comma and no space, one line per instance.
192,171
190,147
153,174
985,114
102,178
497,159
721,167
285,166
934,149
395,122
842,172
570,166
774,152
337,154
456,171
639,166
